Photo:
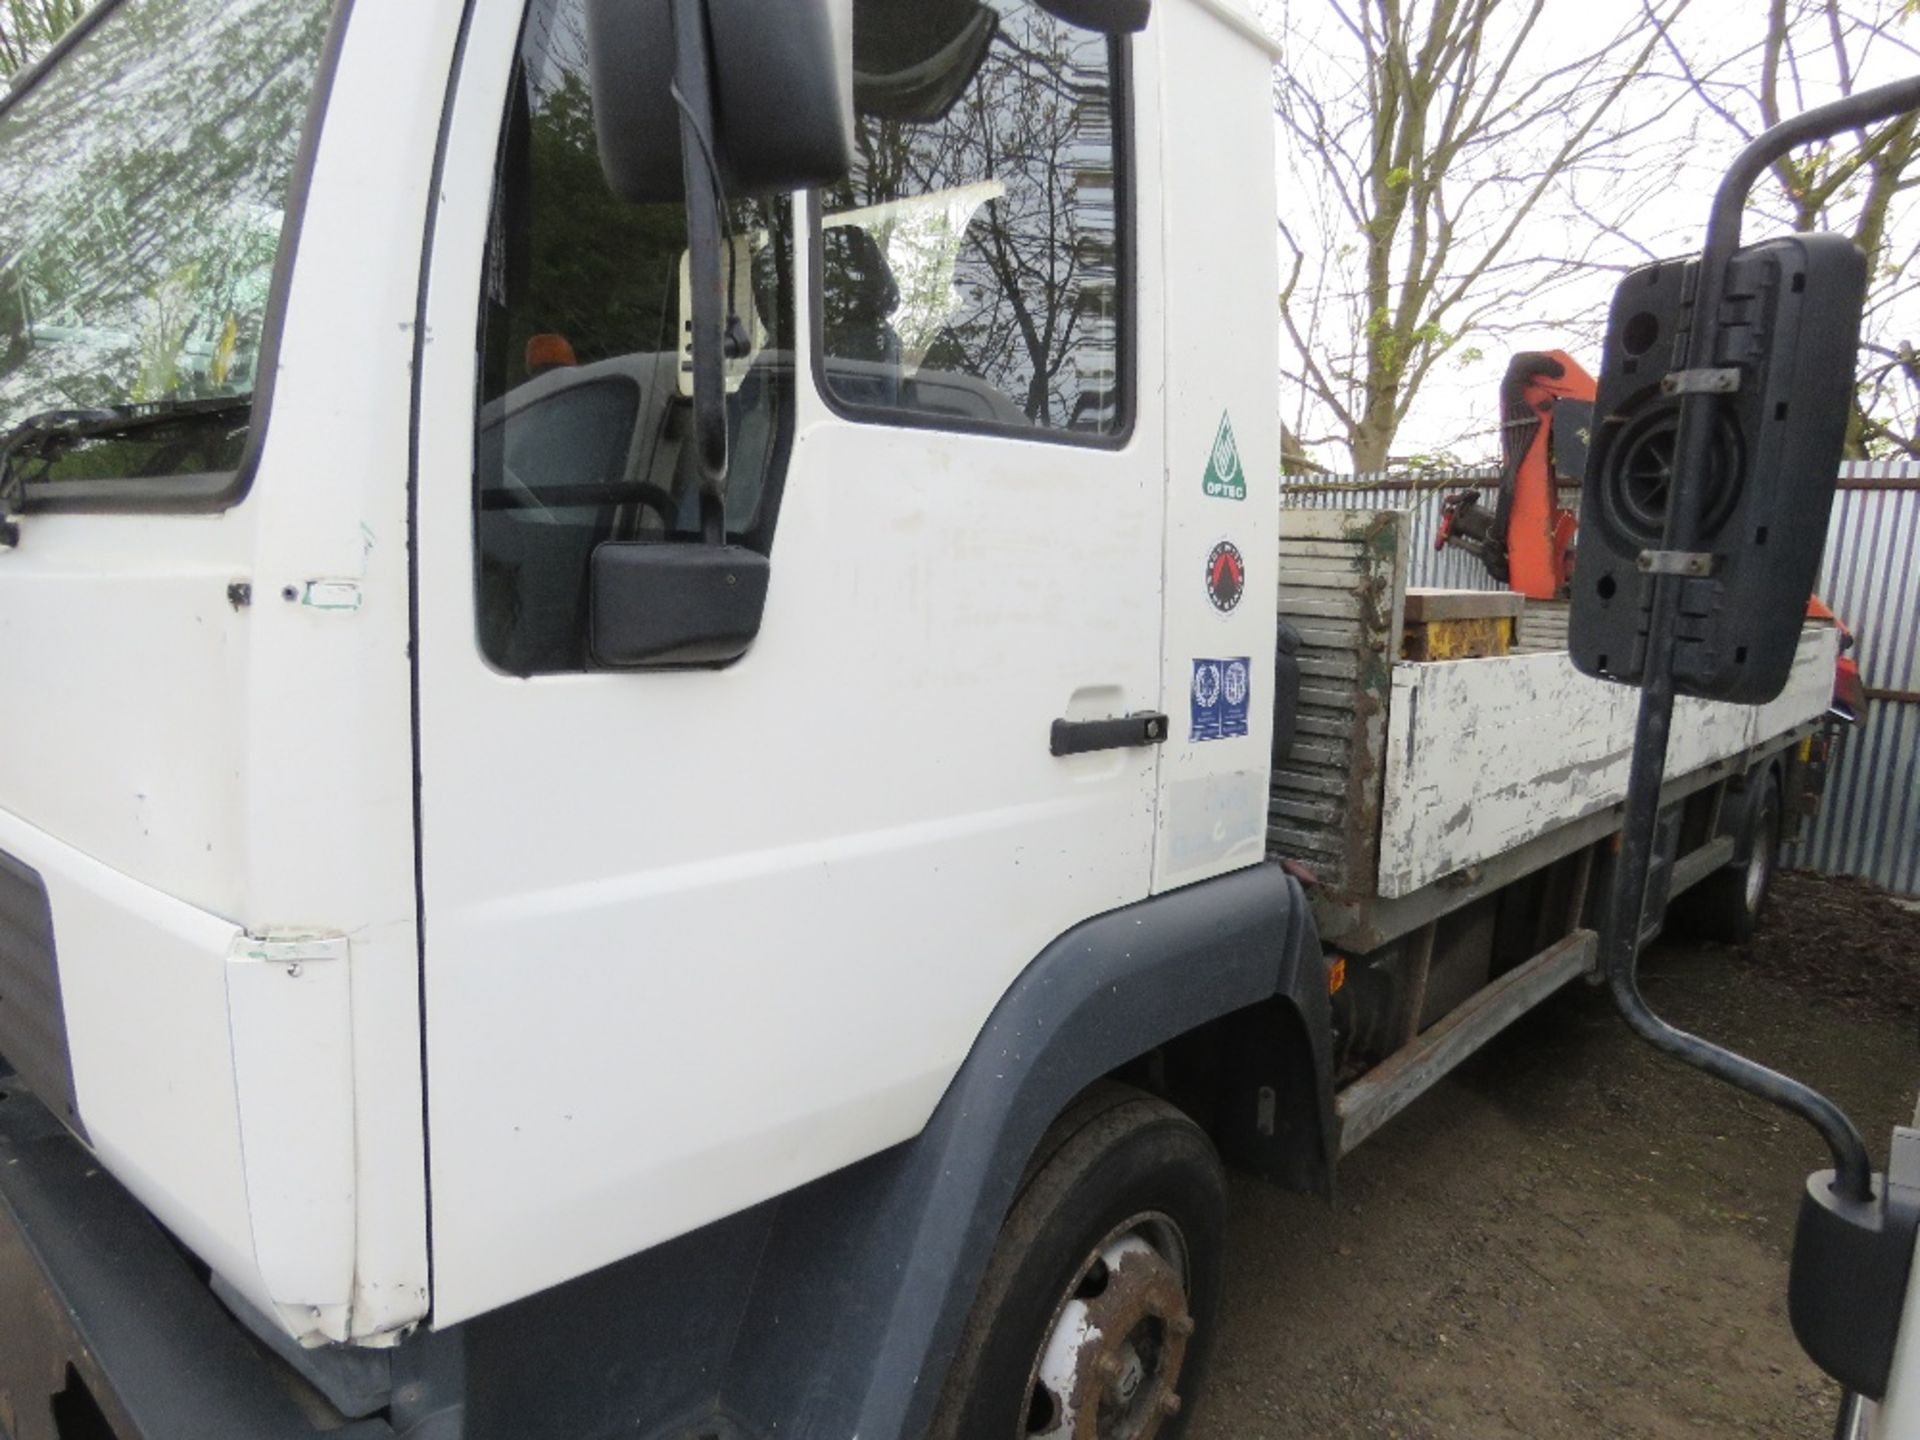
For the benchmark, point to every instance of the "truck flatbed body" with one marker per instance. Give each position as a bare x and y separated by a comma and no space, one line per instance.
1409,775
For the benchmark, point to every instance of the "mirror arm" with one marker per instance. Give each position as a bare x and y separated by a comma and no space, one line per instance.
693,96
1626,910
1881,103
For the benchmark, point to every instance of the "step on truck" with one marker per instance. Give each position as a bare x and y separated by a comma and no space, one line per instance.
669,766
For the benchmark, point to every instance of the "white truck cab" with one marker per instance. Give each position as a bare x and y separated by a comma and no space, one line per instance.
413,967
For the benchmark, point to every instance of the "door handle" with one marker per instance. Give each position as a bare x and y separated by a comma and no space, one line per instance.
1078,737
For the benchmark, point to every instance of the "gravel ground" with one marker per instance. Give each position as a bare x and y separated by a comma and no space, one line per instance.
1573,1236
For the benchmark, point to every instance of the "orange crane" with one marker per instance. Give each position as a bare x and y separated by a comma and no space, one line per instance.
1526,541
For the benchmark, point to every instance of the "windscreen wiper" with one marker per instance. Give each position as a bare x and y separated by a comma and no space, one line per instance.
47,435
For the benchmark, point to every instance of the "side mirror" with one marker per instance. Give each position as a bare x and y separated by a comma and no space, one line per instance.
1779,387
760,98
655,604
1743,361
782,93
1110,17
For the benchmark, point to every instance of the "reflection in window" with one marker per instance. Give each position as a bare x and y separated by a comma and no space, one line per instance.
585,410
971,262
143,185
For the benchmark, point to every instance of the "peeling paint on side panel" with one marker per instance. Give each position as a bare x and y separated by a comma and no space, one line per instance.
1484,755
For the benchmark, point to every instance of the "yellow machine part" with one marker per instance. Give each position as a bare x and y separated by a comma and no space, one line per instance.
1471,638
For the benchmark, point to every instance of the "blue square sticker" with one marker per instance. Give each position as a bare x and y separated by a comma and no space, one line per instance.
1221,695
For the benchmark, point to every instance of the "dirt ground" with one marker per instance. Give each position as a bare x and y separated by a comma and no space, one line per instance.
1573,1235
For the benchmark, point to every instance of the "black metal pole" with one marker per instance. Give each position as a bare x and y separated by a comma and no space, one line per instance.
693,92
1620,940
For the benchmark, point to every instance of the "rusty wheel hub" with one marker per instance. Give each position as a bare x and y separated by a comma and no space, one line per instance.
1110,1364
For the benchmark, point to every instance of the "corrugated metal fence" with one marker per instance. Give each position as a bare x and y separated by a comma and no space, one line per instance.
1870,824
1452,568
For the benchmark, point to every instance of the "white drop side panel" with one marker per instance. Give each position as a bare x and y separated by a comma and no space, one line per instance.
1484,755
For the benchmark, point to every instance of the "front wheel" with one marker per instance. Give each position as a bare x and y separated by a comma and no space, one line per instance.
1097,1308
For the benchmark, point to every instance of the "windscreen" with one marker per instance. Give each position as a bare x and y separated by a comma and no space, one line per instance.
144,183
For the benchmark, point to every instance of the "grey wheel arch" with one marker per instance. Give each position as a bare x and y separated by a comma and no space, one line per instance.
834,1311
860,1345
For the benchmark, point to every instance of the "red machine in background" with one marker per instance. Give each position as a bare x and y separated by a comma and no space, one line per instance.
1849,690
1526,541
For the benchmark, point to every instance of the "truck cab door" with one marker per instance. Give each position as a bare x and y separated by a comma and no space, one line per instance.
696,936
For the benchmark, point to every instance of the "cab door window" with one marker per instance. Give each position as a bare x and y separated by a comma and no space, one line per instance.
585,394
972,266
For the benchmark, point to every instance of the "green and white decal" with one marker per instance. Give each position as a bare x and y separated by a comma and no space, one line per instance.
1224,480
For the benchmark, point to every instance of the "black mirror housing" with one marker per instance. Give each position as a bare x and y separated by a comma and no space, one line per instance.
1109,17
782,94
1781,385
652,603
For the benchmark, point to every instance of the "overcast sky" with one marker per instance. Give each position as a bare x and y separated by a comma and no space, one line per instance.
1457,408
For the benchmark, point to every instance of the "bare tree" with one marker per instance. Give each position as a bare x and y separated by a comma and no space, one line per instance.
1039,119
1794,54
28,27
1431,141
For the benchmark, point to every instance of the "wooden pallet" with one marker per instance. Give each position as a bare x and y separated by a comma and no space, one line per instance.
1343,576
1543,626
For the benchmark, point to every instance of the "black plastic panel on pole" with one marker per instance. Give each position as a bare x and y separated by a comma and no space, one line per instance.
1621,938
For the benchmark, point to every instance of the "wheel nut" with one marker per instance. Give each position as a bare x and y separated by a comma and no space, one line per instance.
1181,1325
1107,1367
1170,1403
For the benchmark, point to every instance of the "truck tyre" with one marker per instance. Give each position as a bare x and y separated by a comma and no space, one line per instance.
1096,1312
1726,905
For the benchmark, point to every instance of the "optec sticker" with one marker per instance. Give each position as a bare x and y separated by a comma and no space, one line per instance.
1224,480
1221,691
1226,576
